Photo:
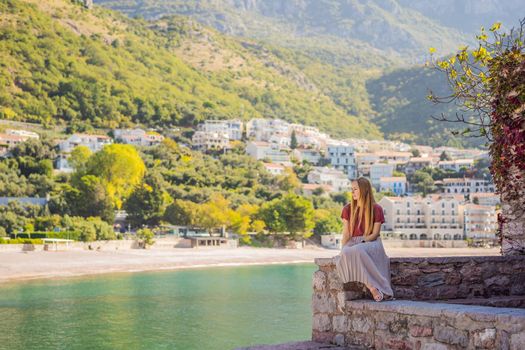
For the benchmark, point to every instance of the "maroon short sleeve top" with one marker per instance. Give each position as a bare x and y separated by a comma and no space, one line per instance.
360,229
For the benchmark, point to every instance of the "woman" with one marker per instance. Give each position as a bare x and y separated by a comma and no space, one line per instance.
363,258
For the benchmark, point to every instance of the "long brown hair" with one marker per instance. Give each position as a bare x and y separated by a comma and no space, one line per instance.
366,202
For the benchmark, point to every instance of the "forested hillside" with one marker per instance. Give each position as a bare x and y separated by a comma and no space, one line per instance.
61,63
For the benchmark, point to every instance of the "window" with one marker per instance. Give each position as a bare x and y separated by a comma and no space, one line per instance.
408,204
453,213
452,206
442,212
408,212
442,205
398,220
398,211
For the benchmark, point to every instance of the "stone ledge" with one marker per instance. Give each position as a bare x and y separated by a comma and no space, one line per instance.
438,260
303,345
423,308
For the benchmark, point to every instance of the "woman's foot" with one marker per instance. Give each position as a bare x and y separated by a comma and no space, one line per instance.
376,294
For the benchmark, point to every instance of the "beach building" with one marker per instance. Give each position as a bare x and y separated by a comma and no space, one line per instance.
421,218
8,142
488,198
332,241
481,221
260,129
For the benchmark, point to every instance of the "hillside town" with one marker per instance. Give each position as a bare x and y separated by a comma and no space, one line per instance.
427,193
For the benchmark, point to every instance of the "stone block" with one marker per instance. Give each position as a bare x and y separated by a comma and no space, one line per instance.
333,280
398,344
319,280
362,324
517,341
451,336
485,339
399,326
321,323
339,339
323,303
499,280
363,339
453,278
432,280
434,346
340,323
323,337
419,331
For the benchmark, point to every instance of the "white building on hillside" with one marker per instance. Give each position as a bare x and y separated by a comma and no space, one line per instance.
394,184
264,150
311,156
260,129
23,133
210,140
233,128
329,176
465,186
137,137
455,165
274,169
379,170
94,142
342,157
418,163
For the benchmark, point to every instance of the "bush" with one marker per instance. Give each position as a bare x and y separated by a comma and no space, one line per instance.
21,241
145,236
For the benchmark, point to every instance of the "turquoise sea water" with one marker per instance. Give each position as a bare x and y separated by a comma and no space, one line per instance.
215,308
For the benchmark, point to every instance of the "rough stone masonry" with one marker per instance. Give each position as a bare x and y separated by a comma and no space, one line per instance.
432,317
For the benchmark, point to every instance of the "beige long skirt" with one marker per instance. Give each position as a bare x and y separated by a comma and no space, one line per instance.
365,262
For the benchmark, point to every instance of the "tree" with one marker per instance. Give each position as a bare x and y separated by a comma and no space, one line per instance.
415,152
489,83
145,237
292,213
147,202
89,198
182,213
423,182
79,158
293,140
326,222
444,156
120,169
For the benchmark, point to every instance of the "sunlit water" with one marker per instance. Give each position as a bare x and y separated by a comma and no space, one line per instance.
216,308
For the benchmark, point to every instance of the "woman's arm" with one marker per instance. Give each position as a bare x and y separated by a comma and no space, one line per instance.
376,230
346,233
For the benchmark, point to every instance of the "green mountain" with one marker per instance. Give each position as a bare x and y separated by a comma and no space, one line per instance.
63,64
372,33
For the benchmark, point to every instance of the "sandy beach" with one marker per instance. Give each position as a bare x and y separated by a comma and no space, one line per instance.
16,266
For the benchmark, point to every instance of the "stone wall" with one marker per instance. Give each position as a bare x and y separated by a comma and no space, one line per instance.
401,324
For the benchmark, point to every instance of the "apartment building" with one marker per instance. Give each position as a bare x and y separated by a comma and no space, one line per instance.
233,128
379,170
342,157
260,129
418,163
421,218
481,221
465,186
210,140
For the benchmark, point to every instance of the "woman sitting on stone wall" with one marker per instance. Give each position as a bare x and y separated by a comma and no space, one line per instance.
363,258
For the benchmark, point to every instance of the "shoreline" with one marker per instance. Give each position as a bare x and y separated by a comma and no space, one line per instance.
16,267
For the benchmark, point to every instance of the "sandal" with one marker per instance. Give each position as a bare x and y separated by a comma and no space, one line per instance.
379,297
